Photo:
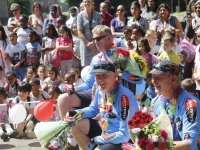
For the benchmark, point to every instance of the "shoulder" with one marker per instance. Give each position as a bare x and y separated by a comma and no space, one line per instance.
20,45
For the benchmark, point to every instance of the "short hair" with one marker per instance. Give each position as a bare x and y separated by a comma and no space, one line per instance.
127,29
33,32
36,3
168,37
71,75
12,32
56,89
24,16
189,85
25,87
12,73
35,80
75,70
102,28
34,69
150,32
139,29
15,5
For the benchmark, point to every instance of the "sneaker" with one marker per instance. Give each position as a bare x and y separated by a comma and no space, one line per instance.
20,128
29,130
4,136
13,134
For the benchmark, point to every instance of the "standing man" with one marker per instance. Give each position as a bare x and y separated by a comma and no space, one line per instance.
105,16
182,108
116,105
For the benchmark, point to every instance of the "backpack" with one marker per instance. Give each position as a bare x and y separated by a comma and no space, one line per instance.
189,48
54,57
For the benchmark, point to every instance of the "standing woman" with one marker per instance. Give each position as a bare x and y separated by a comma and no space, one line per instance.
151,12
165,21
36,20
117,24
13,22
86,21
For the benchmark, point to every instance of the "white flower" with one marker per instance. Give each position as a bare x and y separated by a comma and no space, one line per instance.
154,138
55,144
121,56
135,130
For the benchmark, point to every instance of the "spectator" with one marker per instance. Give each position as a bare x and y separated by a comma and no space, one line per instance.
73,16
111,9
117,24
36,20
81,7
166,20
31,73
143,5
150,13
191,7
13,22
60,13
86,21
105,16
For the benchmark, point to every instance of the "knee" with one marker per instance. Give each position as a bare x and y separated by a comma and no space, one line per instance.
62,99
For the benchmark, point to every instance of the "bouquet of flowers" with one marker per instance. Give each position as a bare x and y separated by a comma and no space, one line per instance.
153,136
129,61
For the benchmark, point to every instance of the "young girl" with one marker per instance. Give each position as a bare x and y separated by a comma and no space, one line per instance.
41,72
151,36
137,33
143,49
4,123
127,41
78,80
11,86
54,92
4,62
64,45
52,80
137,19
76,63
48,43
30,73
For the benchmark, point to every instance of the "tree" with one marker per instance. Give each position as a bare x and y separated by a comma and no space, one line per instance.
24,4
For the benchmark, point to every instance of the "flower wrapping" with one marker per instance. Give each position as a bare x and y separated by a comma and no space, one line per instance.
155,135
129,61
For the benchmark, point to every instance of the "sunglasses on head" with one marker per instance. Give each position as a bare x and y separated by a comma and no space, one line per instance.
120,10
99,38
164,68
101,66
14,10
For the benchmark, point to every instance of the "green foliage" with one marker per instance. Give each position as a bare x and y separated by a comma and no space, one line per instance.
24,4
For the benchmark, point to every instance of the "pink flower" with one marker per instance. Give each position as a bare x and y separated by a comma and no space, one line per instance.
142,142
150,146
162,145
163,133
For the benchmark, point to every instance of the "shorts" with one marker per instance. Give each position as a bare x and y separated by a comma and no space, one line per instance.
95,129
85,98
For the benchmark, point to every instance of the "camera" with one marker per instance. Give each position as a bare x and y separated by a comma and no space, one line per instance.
188,13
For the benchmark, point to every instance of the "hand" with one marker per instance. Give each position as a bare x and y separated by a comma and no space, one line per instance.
162,31
92,145
189,21
91,46
2,124
25,122
17,65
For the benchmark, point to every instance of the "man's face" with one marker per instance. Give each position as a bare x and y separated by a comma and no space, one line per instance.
162,83
102,41
106,81
103,8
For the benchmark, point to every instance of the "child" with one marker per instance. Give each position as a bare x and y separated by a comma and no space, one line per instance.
30,74
127,41
151,36
4,123
68,86
52,80
54,92
12,85
150,90
76,63
2,78
137,19
137,33
144,102
168,53
41,72
190,86
23,96
33,50
4,62
143,49
59,23
36,91
23,30
48,43
15,53
64,45
78,81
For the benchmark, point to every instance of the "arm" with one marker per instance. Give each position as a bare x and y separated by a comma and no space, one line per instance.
185,54
37,59
61,47
21,59
30,116
179,29
9,59
12,25
112,27
30,21
181,145
190,32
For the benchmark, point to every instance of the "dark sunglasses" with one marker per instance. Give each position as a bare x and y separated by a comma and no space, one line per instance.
101,66
99,38
120,10
164,68
14,10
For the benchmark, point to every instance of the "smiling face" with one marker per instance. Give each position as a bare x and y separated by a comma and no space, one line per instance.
30,74
197,9
52,75
88,4
23,22
106,81
163,12
53,94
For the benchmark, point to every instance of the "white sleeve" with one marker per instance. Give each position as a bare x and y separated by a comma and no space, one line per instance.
21,46
39,48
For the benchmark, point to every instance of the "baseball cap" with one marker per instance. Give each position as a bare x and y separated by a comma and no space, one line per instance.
165,66
104,66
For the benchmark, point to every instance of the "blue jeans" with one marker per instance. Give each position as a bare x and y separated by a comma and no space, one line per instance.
20,73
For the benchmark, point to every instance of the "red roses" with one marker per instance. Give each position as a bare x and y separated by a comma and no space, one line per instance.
123,52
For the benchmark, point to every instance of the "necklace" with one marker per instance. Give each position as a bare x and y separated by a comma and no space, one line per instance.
106,107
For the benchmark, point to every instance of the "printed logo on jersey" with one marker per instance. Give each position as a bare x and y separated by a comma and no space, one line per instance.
179,124
191,110
124,106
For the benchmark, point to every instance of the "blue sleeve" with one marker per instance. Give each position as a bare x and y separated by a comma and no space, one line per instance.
191,129
123,133
92,110
89,81
44,26
149,93
113,22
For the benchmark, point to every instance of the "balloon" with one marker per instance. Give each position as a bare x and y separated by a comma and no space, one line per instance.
17,113
85,72
43,110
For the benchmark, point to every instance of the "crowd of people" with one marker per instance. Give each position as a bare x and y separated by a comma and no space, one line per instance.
42,56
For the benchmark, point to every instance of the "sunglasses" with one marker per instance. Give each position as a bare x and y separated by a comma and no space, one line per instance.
14,10
120,10
164,68
99,38
101,66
